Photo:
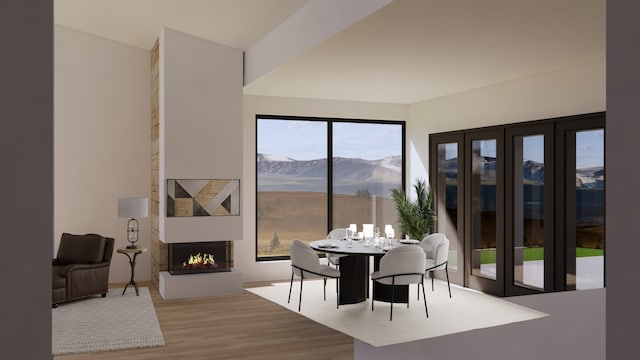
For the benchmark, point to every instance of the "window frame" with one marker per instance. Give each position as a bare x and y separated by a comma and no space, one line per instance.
329,121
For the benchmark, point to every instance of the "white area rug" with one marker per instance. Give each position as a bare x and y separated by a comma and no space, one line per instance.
467,310
114,322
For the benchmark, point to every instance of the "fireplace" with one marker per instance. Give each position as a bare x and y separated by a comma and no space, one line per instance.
200,257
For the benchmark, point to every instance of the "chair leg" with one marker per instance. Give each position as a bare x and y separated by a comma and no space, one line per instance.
325,289
393,295
424,296
290,286
300,300
337,294
373,296
446,270
431,276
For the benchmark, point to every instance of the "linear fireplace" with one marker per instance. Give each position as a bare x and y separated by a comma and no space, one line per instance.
200,257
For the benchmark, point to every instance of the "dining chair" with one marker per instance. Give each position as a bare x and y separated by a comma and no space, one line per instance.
336,234
305,264
402,265
436,248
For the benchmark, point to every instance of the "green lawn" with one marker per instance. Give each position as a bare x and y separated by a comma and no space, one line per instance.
488,256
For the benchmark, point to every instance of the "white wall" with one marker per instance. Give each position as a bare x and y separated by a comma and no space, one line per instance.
245,251
200,128
102,146
571,91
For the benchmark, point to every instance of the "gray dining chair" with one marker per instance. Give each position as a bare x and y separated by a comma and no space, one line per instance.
336,234
305,264
436,249
402,265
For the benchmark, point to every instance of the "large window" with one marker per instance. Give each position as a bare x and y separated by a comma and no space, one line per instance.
302,195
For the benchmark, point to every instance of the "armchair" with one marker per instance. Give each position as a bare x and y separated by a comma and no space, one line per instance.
436,248
81,267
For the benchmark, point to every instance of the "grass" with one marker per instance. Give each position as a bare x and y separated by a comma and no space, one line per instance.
488,256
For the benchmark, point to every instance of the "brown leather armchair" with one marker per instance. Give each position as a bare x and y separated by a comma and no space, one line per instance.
81,267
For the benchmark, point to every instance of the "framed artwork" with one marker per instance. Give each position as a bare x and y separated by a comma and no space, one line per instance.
203,197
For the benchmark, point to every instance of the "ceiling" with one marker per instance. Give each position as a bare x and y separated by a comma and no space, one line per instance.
408,51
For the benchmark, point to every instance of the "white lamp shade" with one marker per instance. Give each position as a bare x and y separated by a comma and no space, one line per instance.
133,207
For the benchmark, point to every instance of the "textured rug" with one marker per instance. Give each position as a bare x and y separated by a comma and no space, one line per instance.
466,311
114,322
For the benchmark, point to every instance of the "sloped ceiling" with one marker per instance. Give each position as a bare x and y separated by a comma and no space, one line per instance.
408,51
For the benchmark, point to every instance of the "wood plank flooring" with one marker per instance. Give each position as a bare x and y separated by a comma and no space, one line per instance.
233,327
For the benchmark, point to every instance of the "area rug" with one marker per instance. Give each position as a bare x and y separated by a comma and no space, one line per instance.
115,322
465,311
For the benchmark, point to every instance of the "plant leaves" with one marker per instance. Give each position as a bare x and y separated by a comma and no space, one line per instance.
417,217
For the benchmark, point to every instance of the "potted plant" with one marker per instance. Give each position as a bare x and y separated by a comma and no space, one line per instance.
416,218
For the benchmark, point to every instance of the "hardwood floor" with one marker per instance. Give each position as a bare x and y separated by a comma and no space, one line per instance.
233,327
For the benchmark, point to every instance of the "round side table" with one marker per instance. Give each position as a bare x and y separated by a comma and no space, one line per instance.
132,254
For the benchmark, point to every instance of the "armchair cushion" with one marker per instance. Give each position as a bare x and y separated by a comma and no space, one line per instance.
81,249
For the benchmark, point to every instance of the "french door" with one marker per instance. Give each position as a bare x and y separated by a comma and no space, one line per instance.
580,194
523,204
484,210
529,218
448,196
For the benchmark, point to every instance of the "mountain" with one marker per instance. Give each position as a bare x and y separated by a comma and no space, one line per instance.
532,171
590,178
277,172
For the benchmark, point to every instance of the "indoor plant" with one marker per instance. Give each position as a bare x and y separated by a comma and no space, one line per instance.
416,218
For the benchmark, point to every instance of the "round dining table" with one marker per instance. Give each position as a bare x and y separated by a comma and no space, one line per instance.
354,269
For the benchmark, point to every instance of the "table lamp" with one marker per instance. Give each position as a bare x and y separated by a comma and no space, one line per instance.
133,208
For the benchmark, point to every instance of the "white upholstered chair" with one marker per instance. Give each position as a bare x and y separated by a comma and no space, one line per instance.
402,265
305,264
436,248
336,234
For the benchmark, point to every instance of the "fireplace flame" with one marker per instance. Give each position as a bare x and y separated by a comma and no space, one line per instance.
199,261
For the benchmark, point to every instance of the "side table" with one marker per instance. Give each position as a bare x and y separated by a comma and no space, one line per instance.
132,254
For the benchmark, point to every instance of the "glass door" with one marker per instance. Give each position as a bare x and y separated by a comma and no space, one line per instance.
484,205
582,175
529,210
446,180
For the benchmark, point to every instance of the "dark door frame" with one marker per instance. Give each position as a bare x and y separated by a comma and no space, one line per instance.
455,276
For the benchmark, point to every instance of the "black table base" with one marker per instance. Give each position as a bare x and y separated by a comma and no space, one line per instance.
354,282
354,279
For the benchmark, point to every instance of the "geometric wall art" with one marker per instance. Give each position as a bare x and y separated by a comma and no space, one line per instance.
203,197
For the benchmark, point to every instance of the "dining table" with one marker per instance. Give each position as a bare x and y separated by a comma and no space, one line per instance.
355,268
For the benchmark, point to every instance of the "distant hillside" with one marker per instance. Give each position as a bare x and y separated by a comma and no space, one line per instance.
277,173
592,177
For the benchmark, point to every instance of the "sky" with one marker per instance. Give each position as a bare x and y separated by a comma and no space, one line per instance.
307,139
589,145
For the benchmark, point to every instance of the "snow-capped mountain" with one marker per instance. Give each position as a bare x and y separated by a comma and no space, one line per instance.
277,172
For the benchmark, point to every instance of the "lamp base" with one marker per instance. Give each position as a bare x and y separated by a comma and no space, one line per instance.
132,246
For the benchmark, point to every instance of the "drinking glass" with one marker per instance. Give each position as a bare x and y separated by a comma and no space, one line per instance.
349,236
